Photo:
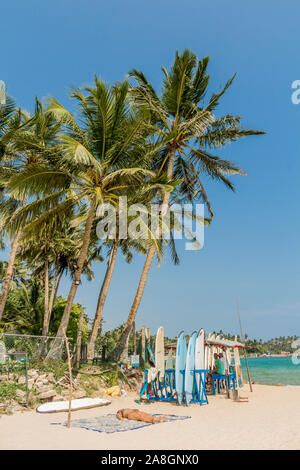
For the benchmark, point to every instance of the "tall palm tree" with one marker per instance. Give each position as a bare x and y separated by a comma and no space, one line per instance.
126,247
185,129
142,197
23,138
94,166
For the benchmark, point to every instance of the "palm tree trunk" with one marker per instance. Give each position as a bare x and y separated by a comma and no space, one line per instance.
121,344
46,296
53,292
10,267
56,350
9,271
101,300
57,286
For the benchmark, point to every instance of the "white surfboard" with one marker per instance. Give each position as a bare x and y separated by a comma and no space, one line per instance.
206,356
78,404
199,351
199,354
213,350
160,353
181,351
189,368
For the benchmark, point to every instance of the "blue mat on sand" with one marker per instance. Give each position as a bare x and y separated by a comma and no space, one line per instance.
110,423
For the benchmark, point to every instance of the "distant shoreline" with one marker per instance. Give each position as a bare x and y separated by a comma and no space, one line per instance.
262,356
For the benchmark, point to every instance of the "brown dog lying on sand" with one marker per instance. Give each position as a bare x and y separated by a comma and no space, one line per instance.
137,415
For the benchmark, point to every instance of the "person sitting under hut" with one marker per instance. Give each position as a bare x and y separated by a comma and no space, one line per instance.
218,368
224,361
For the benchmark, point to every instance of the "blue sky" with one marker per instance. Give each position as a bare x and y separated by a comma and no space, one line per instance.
252,248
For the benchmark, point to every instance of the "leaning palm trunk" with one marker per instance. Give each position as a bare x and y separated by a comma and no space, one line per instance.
120,347
53,291
56,350
42,350
10,267
46,297
43,344
55,294
9,271
101,299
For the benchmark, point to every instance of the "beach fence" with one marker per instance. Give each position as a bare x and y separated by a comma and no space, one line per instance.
34,347
18,353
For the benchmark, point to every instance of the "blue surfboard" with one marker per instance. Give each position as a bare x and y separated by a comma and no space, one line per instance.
189,368
181,350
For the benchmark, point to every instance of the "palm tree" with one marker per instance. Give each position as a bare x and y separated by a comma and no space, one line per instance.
128,245
24,144
185,129
95,166
24,309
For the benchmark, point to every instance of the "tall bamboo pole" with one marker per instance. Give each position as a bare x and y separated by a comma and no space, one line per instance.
243,340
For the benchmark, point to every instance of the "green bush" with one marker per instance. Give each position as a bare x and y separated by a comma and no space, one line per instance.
7,391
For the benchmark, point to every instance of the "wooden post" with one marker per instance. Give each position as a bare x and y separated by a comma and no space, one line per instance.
243,340
79,337
134,338
143,344
70,378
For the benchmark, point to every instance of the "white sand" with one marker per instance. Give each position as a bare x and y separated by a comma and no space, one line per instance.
269,421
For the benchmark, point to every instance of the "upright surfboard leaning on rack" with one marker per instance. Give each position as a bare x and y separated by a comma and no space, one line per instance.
189,368
181,351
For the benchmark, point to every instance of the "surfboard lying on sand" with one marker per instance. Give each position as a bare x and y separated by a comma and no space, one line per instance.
78,404
181,350
189,368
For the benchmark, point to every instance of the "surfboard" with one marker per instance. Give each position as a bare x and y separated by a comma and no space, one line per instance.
189,368
199,351
169,360
199,354
238,369
78,404
206,356
213,350
181,351
169,366
160,353
148,345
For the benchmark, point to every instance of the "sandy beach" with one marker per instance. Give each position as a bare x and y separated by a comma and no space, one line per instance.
270,420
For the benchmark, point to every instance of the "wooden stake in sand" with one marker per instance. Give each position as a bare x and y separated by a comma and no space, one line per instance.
70,378
243,340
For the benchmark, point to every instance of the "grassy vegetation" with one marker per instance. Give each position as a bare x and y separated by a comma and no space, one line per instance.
57,368
8,391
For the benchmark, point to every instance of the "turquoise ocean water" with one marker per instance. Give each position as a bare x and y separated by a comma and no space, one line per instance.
273,370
